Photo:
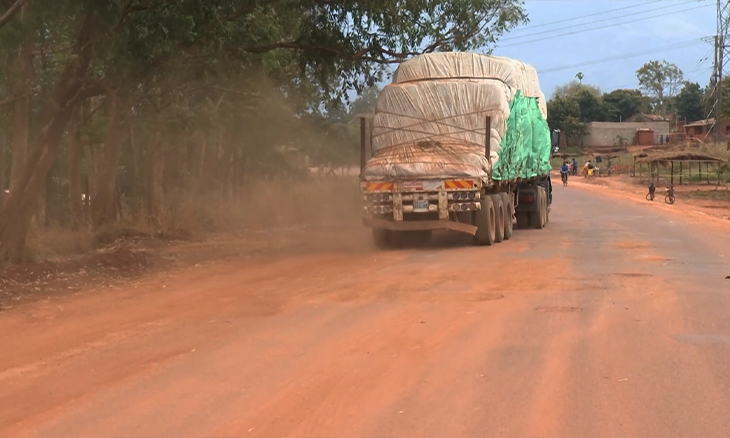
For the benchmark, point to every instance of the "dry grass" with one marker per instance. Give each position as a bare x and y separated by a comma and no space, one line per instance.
51,243
320,202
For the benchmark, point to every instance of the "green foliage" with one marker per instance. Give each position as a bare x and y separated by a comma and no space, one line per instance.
688,102
592,108
622,104
565,114
573,88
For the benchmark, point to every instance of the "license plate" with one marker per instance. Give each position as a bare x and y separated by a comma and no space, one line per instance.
420,204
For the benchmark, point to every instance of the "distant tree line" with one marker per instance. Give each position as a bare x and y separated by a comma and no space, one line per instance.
663,91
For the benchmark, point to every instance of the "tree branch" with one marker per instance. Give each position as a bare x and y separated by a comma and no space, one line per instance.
361,55
12,12
10,100
128,10
235,15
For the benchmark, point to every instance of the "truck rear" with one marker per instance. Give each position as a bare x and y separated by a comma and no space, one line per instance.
459,142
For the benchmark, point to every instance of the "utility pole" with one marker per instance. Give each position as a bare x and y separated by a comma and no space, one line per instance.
721,57
716,80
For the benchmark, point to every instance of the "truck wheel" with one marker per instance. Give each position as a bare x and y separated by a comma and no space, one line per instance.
499,218
509,207
523,220
381,238
537,218
486,223
545,209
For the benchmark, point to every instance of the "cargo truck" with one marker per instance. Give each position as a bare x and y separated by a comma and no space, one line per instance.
458,141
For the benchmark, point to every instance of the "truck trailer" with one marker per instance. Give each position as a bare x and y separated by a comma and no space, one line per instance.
458,141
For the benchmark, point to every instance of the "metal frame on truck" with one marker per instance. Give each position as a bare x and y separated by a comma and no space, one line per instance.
484,208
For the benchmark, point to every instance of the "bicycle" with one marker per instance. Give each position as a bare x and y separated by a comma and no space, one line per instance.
564,177
650,196
669,197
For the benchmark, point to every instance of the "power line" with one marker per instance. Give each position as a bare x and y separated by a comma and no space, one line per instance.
675,46
530,27
698,65
602,20
601,27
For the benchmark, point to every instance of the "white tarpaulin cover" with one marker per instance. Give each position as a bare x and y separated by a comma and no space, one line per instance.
430,122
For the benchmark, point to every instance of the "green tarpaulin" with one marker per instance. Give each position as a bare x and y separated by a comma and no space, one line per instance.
525,148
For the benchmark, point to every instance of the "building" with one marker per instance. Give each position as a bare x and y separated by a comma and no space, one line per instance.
625,133
701,129
641,118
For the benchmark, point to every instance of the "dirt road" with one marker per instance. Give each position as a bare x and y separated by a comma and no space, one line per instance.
611,322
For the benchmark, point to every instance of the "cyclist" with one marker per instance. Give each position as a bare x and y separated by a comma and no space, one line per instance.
564,170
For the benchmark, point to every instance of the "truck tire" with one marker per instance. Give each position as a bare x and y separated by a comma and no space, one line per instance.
537,218
381,238
509,207
486,223
499,218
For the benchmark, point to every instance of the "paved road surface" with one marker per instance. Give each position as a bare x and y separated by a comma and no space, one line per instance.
614,321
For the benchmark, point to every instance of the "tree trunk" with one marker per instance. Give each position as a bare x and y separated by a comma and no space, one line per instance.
3,167
21,116
74,172
20,206
134,147
103,207
155,191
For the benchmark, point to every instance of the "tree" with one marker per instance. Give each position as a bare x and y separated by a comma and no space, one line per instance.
365,103
689,102
661,80
591,107
11,12
580,77
573,88
622,104
197,94
564,114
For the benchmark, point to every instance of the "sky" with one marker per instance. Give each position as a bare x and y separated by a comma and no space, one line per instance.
609,40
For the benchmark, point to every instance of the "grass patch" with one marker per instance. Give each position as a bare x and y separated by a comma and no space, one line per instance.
709,195
49,243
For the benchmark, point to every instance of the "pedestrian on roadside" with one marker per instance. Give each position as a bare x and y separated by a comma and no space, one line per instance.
652,189
575,167
588,166
667,138
661,139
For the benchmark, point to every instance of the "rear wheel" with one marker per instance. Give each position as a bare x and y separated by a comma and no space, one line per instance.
538,218
499,218
486,223
509,207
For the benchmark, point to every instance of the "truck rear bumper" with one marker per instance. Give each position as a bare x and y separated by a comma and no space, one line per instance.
419,225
